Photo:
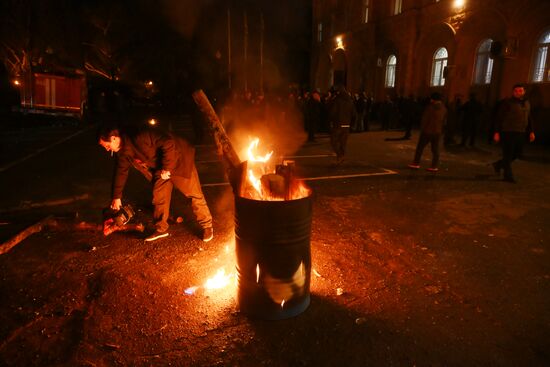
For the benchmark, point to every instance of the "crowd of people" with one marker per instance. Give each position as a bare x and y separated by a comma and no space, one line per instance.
338,113
464,121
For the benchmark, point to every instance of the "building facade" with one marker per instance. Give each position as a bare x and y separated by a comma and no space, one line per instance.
415,47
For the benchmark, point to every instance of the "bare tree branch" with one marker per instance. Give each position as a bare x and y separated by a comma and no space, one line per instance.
93,69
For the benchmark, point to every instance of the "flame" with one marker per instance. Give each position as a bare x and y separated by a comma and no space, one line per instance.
255,158
262,181
255,182
282,303
219,280
257,273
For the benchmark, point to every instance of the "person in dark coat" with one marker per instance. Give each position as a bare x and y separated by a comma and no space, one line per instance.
167,161
471,114
431,127
342,115
514,120
313,113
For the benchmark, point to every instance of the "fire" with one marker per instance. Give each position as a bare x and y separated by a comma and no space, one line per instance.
257,184
255,158
220,280
277,185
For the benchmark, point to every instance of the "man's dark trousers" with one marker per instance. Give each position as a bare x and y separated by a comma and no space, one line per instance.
190,187
512,148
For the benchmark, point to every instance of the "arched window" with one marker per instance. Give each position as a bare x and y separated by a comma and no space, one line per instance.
397,4
541,70
484,64
438,66
390,71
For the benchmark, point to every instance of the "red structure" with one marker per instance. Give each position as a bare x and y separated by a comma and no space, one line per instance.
54,94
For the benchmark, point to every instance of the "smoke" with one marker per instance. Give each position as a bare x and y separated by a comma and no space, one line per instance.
277,123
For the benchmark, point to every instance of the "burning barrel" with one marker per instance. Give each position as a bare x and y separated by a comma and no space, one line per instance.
273,256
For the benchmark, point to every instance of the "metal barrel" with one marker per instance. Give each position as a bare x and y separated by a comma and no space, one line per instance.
273,257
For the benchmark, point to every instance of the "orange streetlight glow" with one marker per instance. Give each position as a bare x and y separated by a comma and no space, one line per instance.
458,4
339,43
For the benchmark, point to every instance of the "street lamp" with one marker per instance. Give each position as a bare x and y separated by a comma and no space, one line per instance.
339,43
459,4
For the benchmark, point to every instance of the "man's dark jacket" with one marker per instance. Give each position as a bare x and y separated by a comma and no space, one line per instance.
342,110
514,116
153,151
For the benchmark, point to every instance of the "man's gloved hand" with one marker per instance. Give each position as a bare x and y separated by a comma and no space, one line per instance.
165,175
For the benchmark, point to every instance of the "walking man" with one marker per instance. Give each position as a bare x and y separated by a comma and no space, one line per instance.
433,119
513,121
167,161
342,115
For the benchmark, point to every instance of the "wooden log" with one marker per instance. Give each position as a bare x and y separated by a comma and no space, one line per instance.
12,242
274,184
220,136
242,180
287,171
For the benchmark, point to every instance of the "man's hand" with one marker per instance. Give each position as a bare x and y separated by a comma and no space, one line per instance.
531,137
116,204
496,137
165,175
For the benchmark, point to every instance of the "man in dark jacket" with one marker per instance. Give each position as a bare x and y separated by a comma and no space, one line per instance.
342,115
471,114
167,161
431,126
513,121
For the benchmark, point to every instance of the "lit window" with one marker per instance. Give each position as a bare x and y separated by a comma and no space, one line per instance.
484,63
397,6
366,13
541,70
320,32
390,71
438,66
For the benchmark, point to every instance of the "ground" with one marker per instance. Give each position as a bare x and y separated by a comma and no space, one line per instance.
410,268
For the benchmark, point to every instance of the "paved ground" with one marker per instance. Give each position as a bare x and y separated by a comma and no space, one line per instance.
410,268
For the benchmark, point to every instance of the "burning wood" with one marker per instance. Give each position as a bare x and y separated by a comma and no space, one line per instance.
280,184
252,178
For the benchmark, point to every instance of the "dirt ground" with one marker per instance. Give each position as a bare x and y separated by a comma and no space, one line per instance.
409,269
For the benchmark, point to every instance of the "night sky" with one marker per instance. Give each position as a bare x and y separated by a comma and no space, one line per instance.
179,44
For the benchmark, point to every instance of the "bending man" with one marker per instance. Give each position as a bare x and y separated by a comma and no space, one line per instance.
167,161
